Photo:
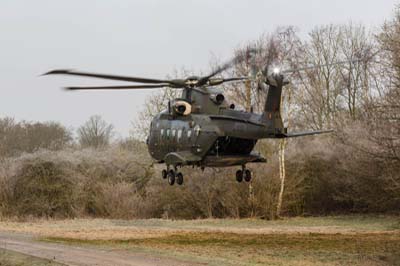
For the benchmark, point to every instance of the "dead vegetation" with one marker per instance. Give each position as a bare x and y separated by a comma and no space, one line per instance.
339,240
11,258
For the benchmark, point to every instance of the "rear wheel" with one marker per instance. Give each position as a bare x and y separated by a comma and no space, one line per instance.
179,178
247,175
171,177
164,174
239,176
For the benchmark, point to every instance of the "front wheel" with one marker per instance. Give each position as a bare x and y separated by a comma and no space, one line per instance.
171,177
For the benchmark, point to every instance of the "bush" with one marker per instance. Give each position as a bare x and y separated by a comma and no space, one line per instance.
44,189
324,176
121,200
74,183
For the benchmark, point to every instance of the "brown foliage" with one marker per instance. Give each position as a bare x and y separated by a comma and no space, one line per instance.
43,189
19,137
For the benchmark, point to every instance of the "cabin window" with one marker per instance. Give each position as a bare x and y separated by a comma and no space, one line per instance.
179,134
197,130
162,133
173,133
168,132
189,134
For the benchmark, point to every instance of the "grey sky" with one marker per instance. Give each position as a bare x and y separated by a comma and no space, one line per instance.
142,38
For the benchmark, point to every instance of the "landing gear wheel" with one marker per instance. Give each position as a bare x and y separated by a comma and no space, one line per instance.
239,176
164,174
179,179
171,177
247,175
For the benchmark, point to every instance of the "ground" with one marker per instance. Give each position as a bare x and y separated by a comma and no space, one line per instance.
11,258
340,240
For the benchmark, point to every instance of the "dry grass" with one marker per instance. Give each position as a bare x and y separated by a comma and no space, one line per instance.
343,240
268,249
11,258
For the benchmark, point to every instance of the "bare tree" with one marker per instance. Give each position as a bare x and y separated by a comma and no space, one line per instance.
95,133
272,50
384,117
332,89
389,40
356,43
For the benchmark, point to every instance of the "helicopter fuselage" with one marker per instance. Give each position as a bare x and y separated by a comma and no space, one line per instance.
213,134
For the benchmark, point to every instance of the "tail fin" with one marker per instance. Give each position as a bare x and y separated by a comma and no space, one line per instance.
272,109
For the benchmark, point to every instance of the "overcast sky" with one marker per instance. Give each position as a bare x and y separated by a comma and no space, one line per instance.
147,38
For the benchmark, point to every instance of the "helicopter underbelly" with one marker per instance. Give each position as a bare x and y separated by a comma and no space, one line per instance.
231,160
227,145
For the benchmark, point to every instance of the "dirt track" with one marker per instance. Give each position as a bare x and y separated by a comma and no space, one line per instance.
69,255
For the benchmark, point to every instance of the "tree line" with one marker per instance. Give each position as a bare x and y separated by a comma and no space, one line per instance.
28,137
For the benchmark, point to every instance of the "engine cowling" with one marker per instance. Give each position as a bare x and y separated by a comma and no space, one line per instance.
217,98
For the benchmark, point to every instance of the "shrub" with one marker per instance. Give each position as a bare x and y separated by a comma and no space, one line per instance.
44,189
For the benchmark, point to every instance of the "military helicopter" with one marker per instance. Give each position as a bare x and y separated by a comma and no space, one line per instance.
201,129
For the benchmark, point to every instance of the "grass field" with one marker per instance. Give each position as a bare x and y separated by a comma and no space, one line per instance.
340,240
11,258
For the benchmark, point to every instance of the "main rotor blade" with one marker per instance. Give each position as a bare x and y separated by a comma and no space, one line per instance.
235,79
320,66
118,87
112,77
214,82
